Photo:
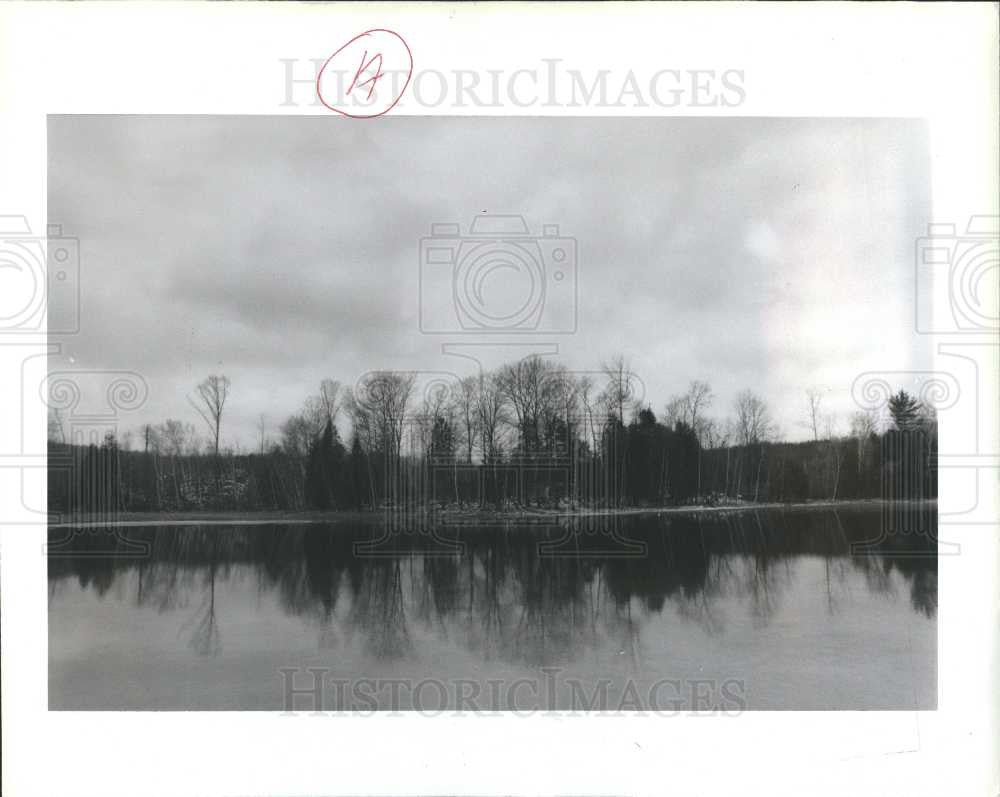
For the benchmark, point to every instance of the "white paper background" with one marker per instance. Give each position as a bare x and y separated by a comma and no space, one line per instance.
935,61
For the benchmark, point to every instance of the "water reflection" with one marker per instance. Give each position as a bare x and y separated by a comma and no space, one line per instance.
496,596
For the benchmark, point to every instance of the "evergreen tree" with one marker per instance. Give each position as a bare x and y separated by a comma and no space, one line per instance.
441,459
339,474
682,462
646,449
905,411
360,481
320,470
442,440
614,445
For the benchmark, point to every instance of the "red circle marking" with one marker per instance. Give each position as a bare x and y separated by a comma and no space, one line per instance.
395,100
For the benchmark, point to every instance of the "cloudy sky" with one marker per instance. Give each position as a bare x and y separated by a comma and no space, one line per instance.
763,253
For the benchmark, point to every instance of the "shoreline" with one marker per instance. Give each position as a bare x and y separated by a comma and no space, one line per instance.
243,518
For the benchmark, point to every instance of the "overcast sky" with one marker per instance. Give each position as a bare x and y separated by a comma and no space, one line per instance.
761,253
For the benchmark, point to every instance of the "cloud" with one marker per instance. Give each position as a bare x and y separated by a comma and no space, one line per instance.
769,253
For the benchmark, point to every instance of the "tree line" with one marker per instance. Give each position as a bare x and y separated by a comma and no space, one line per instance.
529,434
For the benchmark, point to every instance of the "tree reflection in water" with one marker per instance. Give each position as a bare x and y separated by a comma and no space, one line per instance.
499,597
205,639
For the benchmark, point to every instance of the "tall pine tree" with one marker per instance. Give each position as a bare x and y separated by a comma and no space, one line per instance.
325,470
905,411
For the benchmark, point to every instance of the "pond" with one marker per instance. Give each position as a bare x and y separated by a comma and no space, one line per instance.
719,612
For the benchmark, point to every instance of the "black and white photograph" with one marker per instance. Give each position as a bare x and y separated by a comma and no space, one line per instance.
547,399
628,416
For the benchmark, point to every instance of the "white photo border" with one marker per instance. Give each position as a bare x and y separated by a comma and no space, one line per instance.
936,62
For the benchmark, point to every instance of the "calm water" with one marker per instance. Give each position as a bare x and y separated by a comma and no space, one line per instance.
768,610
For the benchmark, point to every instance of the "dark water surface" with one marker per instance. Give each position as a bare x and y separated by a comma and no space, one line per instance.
810,609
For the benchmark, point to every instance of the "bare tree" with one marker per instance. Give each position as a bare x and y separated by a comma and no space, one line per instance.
175,435
675,411
620,389
729,432
329,399
297,434
814,411
864,424
435,409
697,400
56,432
150,441
261,433
465,400
322,408
524,385
195,442
212,393
491,415
436,426
690,408
713,433
835,452
753,418
301,430
563,400
378,408
595,410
